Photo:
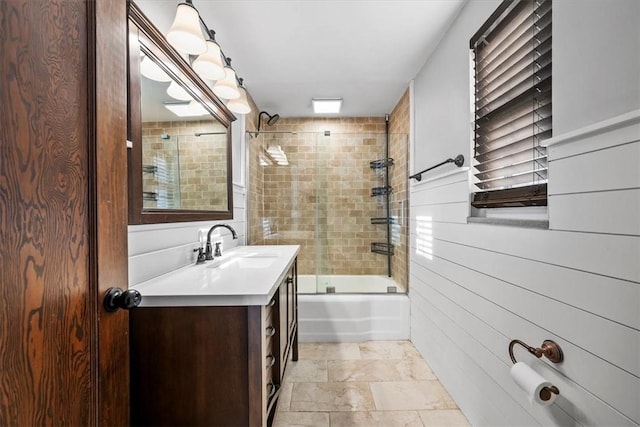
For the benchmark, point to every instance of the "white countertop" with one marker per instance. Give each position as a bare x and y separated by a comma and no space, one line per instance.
244,275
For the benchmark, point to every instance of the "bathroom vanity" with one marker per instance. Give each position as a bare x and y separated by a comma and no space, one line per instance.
210,343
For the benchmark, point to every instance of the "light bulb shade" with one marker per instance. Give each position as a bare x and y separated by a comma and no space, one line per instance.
153,71
185,34
177,92
240,105
227,87
209,64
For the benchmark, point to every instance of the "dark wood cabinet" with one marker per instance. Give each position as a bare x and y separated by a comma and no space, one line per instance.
214,365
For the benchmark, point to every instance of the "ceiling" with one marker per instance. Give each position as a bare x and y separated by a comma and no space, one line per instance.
289,51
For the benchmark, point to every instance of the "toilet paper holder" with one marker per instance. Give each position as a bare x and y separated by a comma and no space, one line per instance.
551,351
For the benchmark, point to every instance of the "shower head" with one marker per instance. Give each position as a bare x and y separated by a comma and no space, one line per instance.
271,119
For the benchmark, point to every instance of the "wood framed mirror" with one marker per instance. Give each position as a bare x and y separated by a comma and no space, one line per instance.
179,135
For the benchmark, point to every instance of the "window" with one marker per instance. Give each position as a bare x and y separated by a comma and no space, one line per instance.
512,76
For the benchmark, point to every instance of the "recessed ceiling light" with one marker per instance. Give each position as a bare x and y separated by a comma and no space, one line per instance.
185,109
326,105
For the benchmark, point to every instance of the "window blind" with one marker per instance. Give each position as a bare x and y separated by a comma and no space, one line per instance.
512,68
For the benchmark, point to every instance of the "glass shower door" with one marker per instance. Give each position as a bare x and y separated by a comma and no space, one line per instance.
285,163
316,191
160,171
346,207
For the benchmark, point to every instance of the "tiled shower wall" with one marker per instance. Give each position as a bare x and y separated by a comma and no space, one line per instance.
322,199
202,161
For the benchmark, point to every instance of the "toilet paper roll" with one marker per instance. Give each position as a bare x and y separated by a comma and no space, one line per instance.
532,383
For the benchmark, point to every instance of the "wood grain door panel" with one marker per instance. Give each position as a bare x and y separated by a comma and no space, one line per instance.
61,203
46,337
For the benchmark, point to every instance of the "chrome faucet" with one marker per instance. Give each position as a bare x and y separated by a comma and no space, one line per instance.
208,254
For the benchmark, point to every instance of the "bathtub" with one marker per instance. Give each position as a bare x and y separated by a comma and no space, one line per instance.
359,310
346,284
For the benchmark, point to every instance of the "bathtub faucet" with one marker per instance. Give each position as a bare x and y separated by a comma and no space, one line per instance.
208,254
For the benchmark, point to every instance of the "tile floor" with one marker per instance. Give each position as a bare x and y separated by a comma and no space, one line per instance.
375,383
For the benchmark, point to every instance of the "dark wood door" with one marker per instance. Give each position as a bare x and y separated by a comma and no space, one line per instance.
63,359
110,189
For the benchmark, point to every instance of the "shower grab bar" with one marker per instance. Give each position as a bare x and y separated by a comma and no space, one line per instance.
458,161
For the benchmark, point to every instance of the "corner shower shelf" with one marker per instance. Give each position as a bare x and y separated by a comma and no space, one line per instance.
382,248
381,170
150,196
149,169
380,191
382,163
383,220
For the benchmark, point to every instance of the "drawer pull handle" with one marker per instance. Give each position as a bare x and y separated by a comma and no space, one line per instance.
289,280
271,360
272,303
270,331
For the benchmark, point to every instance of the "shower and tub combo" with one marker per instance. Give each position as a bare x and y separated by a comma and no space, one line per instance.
332,192
351,308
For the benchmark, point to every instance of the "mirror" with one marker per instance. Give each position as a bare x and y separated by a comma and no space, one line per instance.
180,159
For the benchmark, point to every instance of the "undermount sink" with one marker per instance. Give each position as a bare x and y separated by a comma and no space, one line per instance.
244,260
256,261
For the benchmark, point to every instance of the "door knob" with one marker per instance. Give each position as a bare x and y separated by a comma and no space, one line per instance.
116,298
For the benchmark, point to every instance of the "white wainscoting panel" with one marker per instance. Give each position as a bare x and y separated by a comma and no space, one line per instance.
613,212
474,287
594,185
605,169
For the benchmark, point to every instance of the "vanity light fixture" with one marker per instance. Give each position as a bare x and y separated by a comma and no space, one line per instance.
240,105
326,105
209,64
176,91
227,87
185,33
153,71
